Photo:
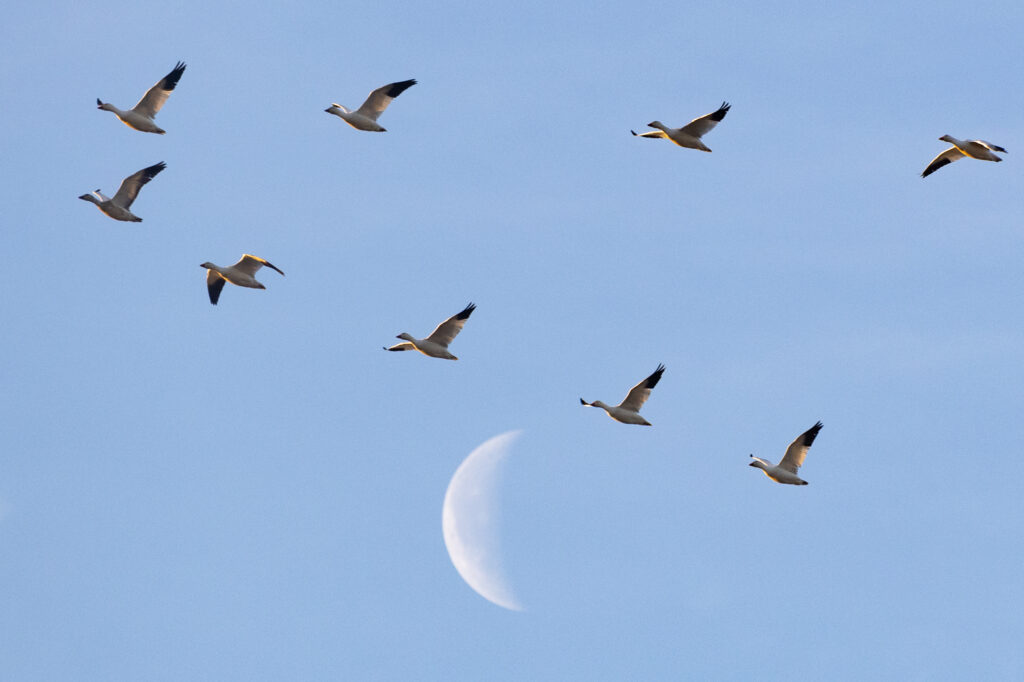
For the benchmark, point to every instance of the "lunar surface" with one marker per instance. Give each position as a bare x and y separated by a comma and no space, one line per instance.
470,521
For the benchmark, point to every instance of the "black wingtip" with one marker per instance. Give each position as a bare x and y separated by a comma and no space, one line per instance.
215,289
583,402
655,377
466,312
398,88
812,433
634,133
171,79
935,166
720,113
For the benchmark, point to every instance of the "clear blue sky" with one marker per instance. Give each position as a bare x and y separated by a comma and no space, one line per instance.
253,490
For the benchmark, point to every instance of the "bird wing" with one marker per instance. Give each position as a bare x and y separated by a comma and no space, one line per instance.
947,157
450,328
214,284
251,264
700,126
131,185
652,134
992,147
405,345
797,450
380,98
155,97
637,395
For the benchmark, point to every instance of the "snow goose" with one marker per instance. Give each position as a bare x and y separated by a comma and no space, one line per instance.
365,117
241,273
689,135
117,207
976,149
628,411
142,114
785,471
436,345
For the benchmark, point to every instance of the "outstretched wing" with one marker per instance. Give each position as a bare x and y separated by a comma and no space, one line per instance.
947,157
131,185
450,328
638,394
652,134
214,285
992,147
251,264
701,126
380,98
797,450
405,345
155,97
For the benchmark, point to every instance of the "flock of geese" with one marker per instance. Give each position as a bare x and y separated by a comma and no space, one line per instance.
243,273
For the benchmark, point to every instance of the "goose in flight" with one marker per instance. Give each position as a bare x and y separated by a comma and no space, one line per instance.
117,206
628,411
241,273
142,114
365,117
436,345
976,149
785,471
689,135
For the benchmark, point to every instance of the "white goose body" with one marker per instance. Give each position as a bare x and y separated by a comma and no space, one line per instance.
975,149
140,117
689,135
240,274
436,345
785,471
628,411
117,207
365,117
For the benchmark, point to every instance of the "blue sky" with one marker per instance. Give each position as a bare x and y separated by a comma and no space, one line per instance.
254,490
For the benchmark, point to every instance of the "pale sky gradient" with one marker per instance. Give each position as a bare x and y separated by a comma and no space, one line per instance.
253,490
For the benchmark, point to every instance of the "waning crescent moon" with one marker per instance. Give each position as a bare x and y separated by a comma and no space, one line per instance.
469,520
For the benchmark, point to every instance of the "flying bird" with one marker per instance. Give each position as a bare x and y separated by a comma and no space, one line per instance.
117,206
628,411
689,135
241,273
436,345
365,117
142,114
785,471
976,149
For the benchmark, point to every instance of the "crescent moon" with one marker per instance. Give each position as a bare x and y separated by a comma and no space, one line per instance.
469,520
